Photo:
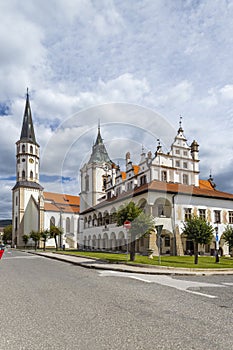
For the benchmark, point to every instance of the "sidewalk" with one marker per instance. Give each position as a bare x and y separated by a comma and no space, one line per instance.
147,269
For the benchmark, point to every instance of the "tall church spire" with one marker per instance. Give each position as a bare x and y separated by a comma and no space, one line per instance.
27,133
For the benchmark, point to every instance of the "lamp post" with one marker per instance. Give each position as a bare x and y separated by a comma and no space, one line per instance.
217,244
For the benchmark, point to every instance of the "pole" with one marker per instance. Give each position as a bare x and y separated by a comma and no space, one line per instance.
217,245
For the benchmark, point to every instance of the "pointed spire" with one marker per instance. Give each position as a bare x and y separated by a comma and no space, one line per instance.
27,132
180,130
99,139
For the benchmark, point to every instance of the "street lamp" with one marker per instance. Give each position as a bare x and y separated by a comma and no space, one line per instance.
217,245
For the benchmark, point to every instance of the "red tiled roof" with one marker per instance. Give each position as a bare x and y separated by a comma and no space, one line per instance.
61,202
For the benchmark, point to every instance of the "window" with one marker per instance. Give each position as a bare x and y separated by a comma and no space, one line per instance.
118,191
177,163
230,213
187,213
177,151
16,200
31,149
142,180
160,210
23,148
87,183
23,175
104,183
185,179
31,175
164,176
185,165
185,153
67,225
217,216
52,221
202,214
167,241
130,185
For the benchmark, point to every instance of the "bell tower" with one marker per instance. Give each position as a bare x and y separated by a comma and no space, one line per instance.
94,174
27,192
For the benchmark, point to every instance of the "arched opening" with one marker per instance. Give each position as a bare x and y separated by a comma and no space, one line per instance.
162,208
113,241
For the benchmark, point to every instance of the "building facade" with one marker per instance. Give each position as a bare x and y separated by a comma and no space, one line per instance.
32,207
165,185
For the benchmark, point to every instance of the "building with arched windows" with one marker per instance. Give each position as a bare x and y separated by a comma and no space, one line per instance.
32,207
165,185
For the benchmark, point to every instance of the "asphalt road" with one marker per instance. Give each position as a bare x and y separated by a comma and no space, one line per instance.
48,304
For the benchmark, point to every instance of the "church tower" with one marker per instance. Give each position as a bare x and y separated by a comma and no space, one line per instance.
94,174
27,201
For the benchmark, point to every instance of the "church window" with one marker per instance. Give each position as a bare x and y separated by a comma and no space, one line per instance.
87,183
23,148
52,221
230,213
202,213
164,176
217,216
67,225
16,200
23,175
31,175
177,163
187,213
185,179
31,149
16,223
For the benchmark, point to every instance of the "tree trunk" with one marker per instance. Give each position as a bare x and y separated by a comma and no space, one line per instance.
132,250
195,253
55,237
44,245
35,245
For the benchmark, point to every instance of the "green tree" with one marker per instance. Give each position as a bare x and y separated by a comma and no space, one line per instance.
45,235
35,235
199,231
25,240
54,233
7,234
228,236
141,223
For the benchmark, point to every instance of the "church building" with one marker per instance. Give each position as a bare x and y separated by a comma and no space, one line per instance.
32,207
165,185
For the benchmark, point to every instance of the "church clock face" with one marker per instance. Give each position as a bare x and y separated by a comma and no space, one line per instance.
31,160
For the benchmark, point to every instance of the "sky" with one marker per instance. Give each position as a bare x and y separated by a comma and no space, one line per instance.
133,66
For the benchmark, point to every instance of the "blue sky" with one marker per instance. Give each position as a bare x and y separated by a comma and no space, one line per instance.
125,63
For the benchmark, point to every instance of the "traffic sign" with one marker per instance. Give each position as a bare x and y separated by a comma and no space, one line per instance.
127,224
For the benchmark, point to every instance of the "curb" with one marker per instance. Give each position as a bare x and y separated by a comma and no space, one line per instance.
162,270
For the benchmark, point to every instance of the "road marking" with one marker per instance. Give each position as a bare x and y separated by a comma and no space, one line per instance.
228,284
21,257
165,280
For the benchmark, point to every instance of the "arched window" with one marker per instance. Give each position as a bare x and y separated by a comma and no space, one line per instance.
67,225
87,183
31,175
23,148
23,175
52,221
31,149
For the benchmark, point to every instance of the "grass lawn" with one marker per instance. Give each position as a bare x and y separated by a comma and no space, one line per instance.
206,262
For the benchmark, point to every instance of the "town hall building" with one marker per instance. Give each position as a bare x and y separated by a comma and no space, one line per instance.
165,185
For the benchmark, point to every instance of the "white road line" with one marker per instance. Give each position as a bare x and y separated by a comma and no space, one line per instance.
21,257
165,280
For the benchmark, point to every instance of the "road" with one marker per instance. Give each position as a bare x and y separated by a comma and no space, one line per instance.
48,304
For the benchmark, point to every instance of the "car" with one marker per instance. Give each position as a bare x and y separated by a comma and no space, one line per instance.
2,246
